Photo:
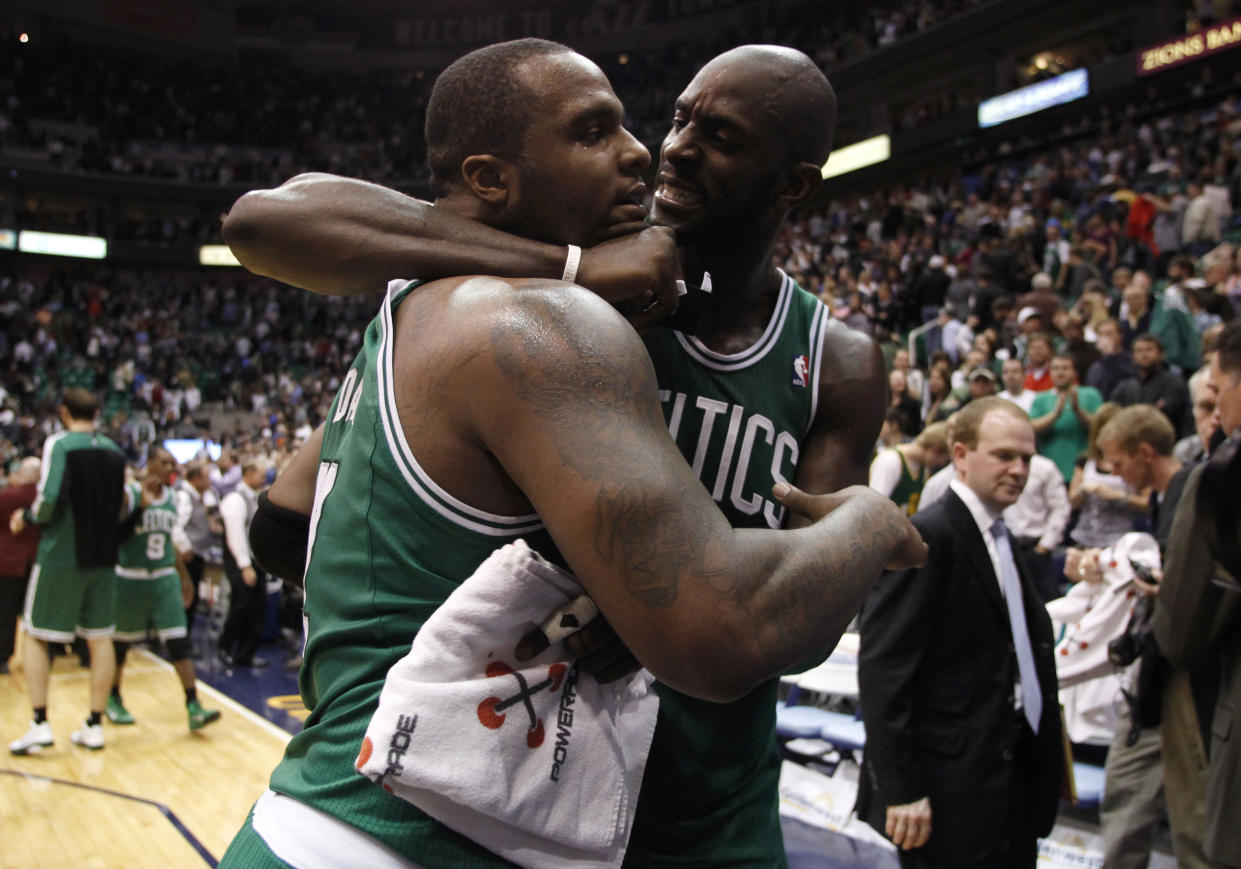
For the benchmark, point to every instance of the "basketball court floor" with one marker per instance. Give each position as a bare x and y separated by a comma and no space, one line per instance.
161,796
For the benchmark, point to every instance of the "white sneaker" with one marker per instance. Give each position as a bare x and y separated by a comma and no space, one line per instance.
90,736
37,738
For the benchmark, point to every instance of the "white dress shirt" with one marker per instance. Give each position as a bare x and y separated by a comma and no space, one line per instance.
984,518
1042,511
235,511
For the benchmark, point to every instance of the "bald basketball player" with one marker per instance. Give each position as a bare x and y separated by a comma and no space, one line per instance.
768,388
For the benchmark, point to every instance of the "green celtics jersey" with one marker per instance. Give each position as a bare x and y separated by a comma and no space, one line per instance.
709,794
79,500
908,489
387,547
149,553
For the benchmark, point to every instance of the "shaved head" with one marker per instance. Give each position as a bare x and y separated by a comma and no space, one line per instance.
795,95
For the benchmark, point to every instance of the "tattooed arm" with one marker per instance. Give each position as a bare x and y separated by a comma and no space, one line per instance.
567,404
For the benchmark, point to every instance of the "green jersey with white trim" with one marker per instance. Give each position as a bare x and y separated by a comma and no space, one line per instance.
387,547
709,795
149,553
97,464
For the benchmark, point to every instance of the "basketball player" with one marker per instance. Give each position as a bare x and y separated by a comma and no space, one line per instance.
72,588
768,388
153,586
481,410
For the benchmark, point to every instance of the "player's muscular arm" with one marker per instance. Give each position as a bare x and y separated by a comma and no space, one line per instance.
853,392
569,407
294,487
341,236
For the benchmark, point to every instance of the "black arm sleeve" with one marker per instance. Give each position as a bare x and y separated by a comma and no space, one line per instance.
278,539
129,525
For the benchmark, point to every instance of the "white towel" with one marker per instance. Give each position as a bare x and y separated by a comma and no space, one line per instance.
1092,613
531,760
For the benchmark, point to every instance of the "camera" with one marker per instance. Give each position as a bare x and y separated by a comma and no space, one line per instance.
1125,649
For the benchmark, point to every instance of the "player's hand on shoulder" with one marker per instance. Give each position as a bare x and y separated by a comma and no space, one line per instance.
888,525
636,273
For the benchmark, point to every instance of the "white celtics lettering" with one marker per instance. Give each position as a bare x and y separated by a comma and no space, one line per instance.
736,448
348,397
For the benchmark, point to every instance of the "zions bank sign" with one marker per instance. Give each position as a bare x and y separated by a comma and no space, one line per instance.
1195,46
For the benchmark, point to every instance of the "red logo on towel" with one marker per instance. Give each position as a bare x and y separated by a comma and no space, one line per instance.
490,711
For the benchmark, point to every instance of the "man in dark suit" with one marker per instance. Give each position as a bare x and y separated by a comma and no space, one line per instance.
964,755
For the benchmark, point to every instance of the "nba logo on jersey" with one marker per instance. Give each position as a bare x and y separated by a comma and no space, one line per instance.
801,370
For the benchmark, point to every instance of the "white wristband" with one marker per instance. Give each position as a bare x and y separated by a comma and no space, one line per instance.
571,263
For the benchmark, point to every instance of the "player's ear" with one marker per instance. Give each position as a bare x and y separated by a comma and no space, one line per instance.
491,179
801,183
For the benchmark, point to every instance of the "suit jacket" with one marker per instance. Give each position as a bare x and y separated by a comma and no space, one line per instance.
17,551
1196,621
936,673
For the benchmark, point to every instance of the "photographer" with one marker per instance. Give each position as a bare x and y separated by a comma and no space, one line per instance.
1198,614
1138,443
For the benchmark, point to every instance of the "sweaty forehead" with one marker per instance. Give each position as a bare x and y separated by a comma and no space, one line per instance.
739,91
566,83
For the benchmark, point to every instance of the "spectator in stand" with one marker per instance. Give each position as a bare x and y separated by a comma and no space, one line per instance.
1085,353
1041,298
17,552
1192,449
1114,365
914,378
1201,228
1144,315
1029,323
1076,274
931,288
1106,507
1092,307
903,402
1154,384
1061,416
1013,374
226,474
938,392
901,471
1181,280
1055,249
1038,363
985,293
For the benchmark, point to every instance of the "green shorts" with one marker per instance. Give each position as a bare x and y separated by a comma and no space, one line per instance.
249,851
144,605
62,602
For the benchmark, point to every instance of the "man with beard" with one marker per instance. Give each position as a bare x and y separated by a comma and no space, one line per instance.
766,388
559,423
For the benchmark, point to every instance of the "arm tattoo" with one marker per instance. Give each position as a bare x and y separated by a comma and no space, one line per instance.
657,541
573,370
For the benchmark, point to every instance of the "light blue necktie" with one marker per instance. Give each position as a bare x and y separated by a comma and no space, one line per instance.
1031,694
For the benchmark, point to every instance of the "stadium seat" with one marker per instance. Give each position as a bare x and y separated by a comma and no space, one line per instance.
844,731
1088,780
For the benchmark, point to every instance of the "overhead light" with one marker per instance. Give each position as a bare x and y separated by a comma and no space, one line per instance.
59,244
24,38
850,158
217,255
